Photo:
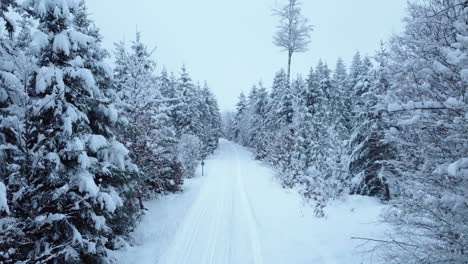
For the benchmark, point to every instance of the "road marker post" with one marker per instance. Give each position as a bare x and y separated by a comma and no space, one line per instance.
202,168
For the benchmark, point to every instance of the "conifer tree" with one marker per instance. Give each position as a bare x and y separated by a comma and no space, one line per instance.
274,114
257,126
368,150
241,108
341,98
427,107
187,112
145,126
212,121
16,70
304,135
77,192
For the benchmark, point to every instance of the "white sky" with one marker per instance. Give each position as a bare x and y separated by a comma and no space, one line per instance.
229,43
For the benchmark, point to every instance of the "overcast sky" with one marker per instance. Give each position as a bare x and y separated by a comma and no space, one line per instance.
228,43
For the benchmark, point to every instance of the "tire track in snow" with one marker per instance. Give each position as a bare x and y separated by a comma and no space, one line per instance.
216,223
182,246
220,227
251,219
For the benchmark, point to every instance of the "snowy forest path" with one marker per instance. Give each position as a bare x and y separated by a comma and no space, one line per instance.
239,213
220,227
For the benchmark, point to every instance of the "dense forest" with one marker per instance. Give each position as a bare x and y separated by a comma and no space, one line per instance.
393,125
83,144
88,135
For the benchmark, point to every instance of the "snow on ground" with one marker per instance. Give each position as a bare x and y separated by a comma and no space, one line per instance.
238,213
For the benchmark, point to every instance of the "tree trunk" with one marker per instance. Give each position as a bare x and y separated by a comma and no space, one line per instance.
290,53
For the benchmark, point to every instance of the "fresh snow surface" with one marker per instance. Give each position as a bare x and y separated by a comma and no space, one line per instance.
238,213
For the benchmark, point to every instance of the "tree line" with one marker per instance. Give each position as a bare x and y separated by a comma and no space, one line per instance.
82,144
393,125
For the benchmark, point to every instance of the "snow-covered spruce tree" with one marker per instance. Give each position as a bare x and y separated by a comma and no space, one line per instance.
263,122
166,133
322,116
253,131
248,134
187,113
15,72
322,172
303,171
285,111
257,124
281,117
273,118
144,125
342,102
427,103
192,111
304,135
368,151
274,115
196,115
340,118
354,71
168,86
210,121
241,109
173,99
76,199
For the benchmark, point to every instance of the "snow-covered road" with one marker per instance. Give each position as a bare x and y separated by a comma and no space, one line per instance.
221,226
238,213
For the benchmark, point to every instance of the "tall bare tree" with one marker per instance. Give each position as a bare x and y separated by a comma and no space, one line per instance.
293,34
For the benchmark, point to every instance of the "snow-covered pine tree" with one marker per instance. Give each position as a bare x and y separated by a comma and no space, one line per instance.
165,151
166,86
165,136
427,103
342,102
187,112
340,118
15,72
286,104
257,134
169,91
303,135
144,125
323,162
281,117
189,125
280,82
197,121
368,152
241,109
273,120
248,134
12,79
76,198
354,71
210,121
